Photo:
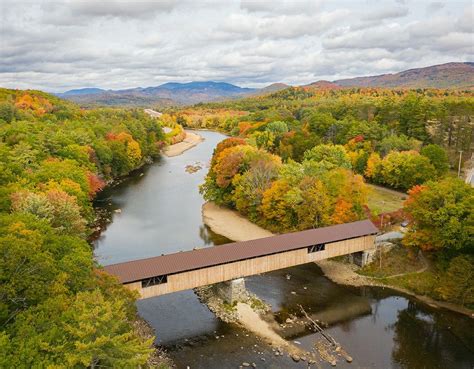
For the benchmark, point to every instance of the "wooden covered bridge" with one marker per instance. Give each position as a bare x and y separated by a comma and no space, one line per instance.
185,270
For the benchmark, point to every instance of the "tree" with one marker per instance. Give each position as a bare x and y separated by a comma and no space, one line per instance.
56,206
403,170
397,143
457,283
438,157
329,156
442,216
36,263
374,168
264,140
320,123
414,115
343,212
7,111
277,214
277,127
82,331
313,209
250,186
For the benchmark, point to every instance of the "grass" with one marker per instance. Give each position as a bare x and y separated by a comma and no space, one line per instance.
424,283
396,261
383,200
399,261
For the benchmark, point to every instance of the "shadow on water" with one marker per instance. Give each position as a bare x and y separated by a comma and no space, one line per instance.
160,212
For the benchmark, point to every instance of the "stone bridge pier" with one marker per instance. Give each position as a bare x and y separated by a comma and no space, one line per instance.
232,291
362,258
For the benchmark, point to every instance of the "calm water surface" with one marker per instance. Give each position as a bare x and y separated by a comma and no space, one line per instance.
161,213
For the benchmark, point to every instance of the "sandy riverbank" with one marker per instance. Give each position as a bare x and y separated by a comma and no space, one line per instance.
191,140
231,224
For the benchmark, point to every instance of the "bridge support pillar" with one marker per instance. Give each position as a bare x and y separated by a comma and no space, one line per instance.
362,258
232,291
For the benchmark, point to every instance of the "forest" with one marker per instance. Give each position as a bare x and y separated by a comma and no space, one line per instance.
297,159
301,158
54,158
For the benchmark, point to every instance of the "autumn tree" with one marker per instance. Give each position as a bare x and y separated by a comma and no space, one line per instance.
250,186
313,209
85,330
276,212
442,216
329,156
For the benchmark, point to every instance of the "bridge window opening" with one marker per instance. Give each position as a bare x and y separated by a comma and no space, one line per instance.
316,248
153,281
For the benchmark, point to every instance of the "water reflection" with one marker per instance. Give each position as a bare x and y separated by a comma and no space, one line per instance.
424,340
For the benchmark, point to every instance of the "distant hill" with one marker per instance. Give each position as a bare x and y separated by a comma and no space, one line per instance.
274,87
82,91
171,93
164,95
324,85
450,75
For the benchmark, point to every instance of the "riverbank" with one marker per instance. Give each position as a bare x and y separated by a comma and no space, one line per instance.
229,223
190,140
345,274
234,226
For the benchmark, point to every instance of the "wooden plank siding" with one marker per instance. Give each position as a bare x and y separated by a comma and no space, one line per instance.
225,272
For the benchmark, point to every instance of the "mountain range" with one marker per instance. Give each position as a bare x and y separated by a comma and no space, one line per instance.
449,75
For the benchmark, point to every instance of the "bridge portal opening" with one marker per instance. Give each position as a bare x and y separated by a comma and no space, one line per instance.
153,281
316,248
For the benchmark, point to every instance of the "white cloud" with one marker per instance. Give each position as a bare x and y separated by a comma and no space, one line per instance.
58,45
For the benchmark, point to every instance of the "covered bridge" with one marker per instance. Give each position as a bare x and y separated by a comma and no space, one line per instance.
185,270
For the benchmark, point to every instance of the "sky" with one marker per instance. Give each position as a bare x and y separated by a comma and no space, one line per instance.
112,44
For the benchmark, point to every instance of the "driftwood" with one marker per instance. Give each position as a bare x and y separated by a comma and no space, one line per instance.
335,346
319,329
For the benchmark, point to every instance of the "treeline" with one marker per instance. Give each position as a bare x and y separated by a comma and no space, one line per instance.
57,309
365,121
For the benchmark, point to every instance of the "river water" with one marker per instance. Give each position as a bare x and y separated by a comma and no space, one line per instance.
160,213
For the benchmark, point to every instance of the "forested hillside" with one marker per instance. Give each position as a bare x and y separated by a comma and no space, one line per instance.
57,309
449,75
301,157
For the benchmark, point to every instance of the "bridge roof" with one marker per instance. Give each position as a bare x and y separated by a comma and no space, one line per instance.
137,270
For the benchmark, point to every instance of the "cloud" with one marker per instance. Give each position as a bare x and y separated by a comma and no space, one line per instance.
386,13
286,6
59,45
120,9
434,7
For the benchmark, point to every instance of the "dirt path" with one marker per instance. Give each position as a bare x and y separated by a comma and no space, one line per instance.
191,140
231,224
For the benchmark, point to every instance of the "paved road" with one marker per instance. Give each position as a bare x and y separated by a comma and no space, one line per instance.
394,235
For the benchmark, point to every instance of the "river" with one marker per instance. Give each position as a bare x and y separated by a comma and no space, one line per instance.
160,213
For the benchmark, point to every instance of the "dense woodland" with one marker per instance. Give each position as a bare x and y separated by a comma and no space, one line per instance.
57,309
301,157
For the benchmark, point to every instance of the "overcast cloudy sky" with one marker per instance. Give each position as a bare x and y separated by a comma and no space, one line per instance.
59,45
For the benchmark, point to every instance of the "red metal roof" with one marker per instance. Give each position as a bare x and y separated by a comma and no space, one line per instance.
137,270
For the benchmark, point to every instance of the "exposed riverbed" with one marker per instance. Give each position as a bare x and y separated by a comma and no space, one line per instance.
160,212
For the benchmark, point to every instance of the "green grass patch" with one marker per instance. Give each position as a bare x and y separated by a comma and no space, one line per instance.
382,200
424,283
396,261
